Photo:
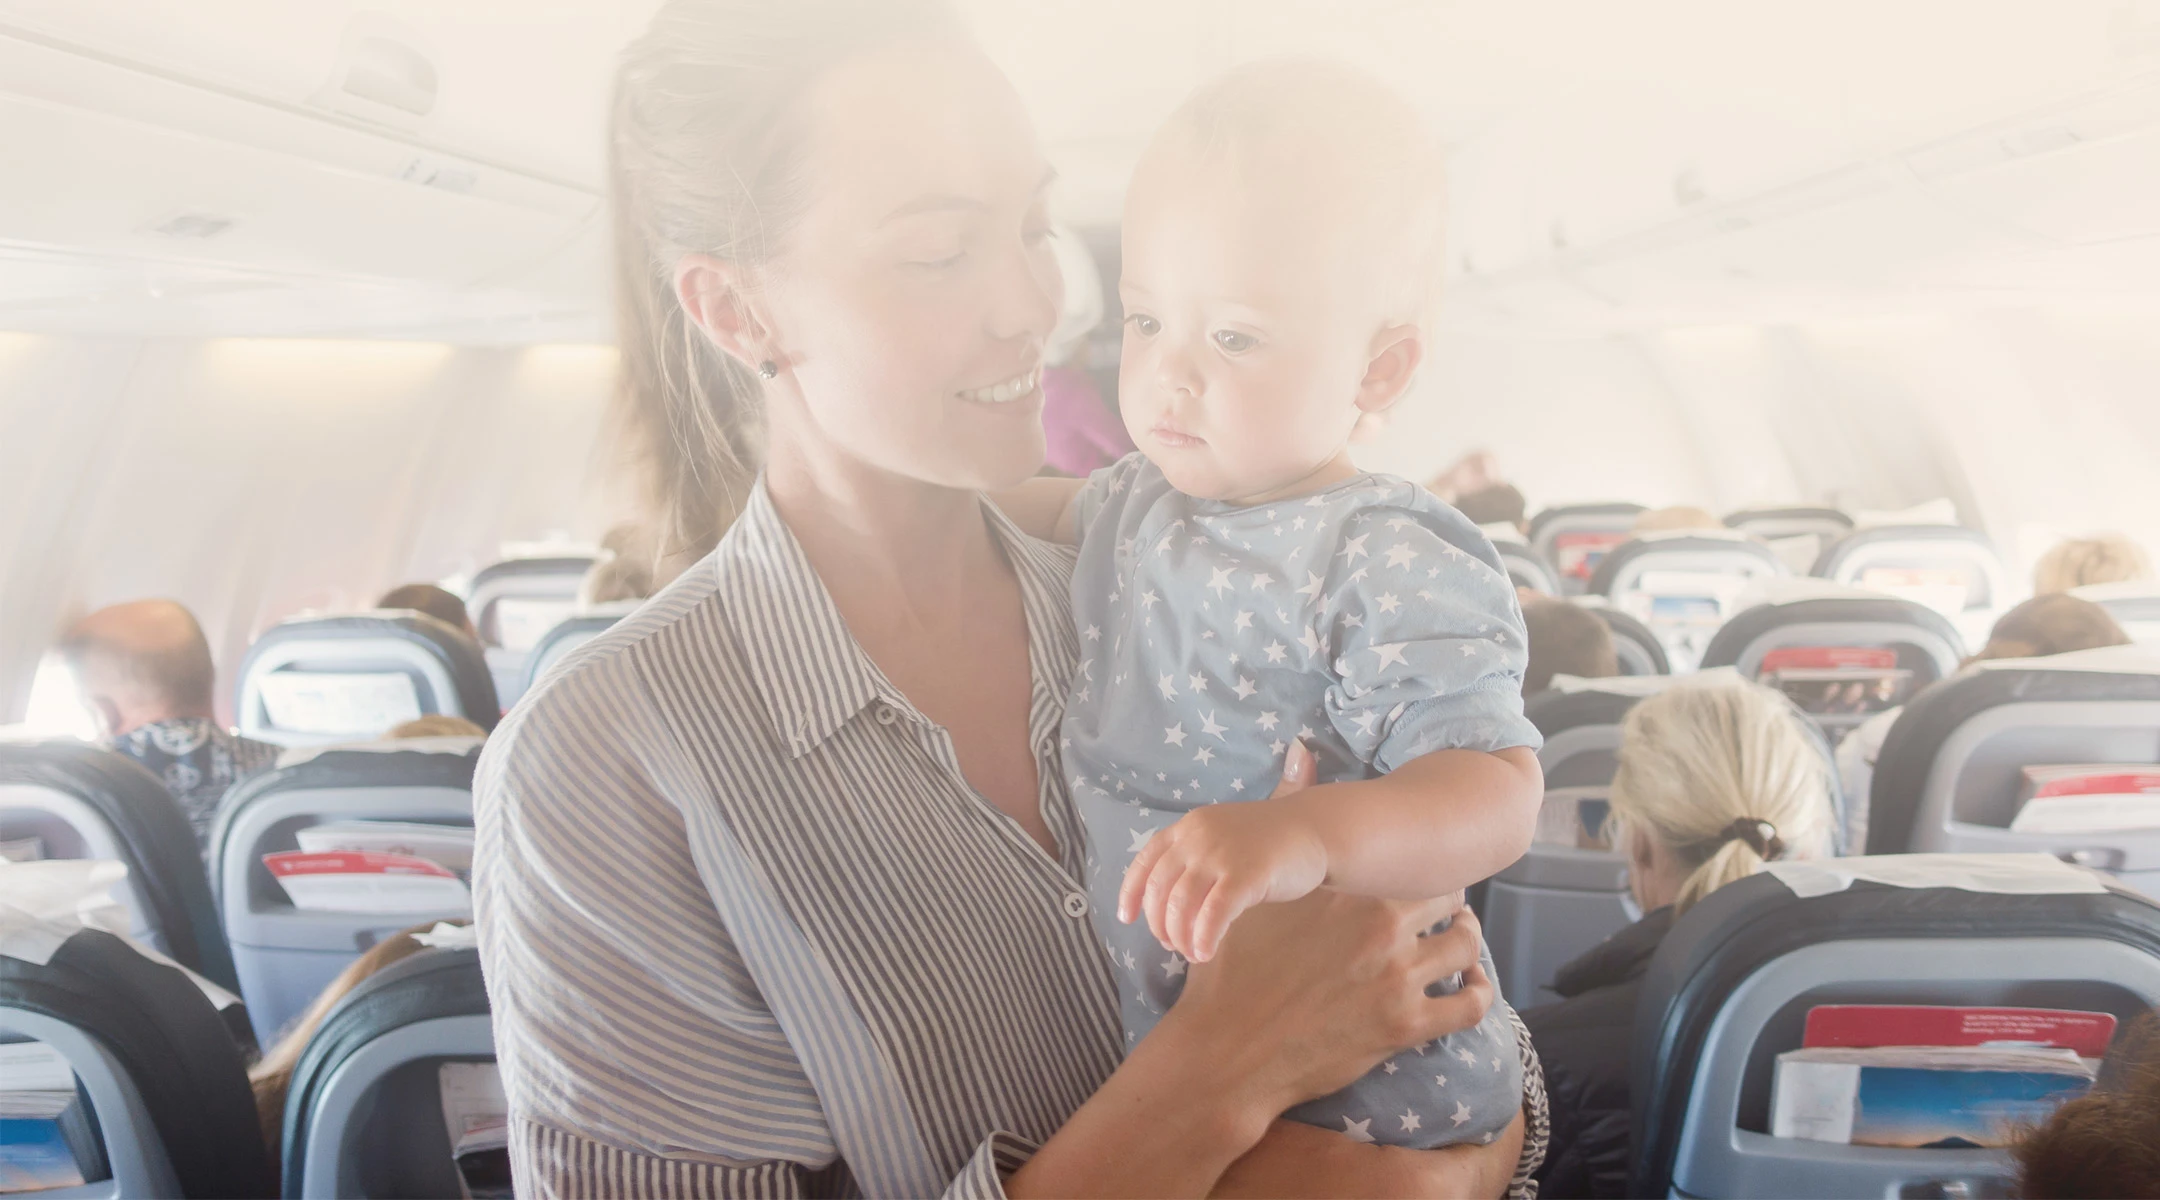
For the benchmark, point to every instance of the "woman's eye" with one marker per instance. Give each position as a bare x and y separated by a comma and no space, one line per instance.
939,264
1233,342
1147,325
1036,237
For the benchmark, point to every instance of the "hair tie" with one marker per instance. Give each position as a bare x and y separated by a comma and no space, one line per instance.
1760,835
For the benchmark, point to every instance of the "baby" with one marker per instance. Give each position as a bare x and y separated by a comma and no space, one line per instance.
1243,590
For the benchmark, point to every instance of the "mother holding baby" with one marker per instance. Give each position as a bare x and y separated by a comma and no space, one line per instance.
779,882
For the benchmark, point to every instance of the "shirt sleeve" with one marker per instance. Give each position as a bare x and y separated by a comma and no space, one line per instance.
637,1053
1425,636
1104,495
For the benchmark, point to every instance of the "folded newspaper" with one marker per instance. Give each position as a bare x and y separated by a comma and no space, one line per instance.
478,1119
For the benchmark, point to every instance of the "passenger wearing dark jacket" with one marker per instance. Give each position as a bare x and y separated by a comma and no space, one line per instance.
1717,776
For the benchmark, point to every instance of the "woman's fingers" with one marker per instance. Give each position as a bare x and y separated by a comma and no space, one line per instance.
1460,1009
1299,770
1161,881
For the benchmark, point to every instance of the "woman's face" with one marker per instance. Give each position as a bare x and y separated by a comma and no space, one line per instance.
912,300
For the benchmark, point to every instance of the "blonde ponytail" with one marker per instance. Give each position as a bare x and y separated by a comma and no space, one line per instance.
1721,773
704,157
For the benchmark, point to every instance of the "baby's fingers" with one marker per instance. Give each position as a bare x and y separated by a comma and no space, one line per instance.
1161,881
1134,887
1192,891
1221,907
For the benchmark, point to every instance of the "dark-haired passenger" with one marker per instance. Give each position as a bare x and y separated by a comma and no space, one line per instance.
1565,639
426,598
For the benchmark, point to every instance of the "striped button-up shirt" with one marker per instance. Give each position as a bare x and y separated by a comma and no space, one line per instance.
746,928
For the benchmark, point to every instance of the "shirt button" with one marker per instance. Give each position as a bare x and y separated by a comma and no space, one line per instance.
1075,904
886,715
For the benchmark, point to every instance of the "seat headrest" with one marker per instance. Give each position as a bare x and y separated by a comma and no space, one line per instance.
154,838
1634,643
1798,517
1835,606
333,678
1743,927
1699,549
516,601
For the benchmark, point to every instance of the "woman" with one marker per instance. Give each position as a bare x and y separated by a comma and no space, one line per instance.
776,880
1717,776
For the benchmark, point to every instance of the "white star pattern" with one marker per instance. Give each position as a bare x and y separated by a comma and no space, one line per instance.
1244,621
1244,688
1298,524
1204,756
1094,634
1312,586
1209,728
1305,732
1198,683
1139,839
1267,721
1311,641
1364,722
1175,735
1168,684
1262,580
1401,555
1395,524
1173,967
1462,1113
1237,785
1219,580
1391,652
1387,603
1439,1081
1357,1131
1409,1121
1469,1057
1277,746
1353,621
1147,599
1389,1067
1354,548
1277,652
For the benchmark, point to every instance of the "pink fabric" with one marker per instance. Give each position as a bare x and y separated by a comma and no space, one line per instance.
1081,432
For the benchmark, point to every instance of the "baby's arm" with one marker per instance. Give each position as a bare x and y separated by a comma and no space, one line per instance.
1437,824
1043,507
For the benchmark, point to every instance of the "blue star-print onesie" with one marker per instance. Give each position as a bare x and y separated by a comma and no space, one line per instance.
1370,620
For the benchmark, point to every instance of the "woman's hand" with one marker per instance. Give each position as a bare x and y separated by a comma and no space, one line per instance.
1299,1160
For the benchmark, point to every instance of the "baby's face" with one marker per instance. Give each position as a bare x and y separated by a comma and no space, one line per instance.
1246,331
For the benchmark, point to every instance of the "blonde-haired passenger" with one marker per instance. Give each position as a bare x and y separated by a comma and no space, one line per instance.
1717,777
2079,562
1676,518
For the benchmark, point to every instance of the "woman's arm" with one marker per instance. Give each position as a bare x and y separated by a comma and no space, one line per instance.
1299,1160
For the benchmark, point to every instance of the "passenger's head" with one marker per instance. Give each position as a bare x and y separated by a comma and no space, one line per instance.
439,603
1281,245
2056,624
1676,517
140,663
1565,639
850,192
627,568
435,725
2105,1144
2076,562
1717,776
1499,504
272,1074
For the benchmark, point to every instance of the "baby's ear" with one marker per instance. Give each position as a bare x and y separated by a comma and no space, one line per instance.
1396,354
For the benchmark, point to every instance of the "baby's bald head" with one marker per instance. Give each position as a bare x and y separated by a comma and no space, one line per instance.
142,662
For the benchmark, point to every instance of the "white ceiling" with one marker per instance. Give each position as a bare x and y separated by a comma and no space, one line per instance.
1580,127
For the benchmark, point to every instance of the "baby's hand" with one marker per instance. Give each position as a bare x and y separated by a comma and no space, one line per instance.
1193,878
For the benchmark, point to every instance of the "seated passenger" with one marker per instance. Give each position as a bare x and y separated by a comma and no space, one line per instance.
435,725
2077,562
272,1074
1677,517
1472,472
1495,504
2043,625
1565,639
144,672
439,603
1717,776
2105,1144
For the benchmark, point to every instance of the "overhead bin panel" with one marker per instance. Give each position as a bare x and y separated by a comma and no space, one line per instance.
131,161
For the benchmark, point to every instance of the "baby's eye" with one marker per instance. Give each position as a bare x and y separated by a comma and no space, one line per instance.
1147,325
1233,342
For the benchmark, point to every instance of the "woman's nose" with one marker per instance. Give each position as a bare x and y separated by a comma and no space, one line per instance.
1031,297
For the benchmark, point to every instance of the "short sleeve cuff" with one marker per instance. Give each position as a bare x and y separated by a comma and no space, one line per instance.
1468,720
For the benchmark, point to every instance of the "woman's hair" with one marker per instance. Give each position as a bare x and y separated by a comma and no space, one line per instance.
705,157
1705,764
272,1074
435,725
2056,624
1565,639
2076,562
2107,1142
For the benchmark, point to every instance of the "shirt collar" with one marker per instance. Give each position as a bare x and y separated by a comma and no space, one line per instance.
809,671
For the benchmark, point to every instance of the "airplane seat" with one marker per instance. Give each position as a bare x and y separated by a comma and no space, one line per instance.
1730,987
285,955
567,635
1684,584
1950,772
513,605
79,802
2135,606
156,1066
1573,537
1956,571
1637,649
1569,891
319,680
363,1115
1525,566
1797,534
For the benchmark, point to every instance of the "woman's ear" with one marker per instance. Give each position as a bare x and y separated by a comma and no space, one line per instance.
715,296
1396,354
